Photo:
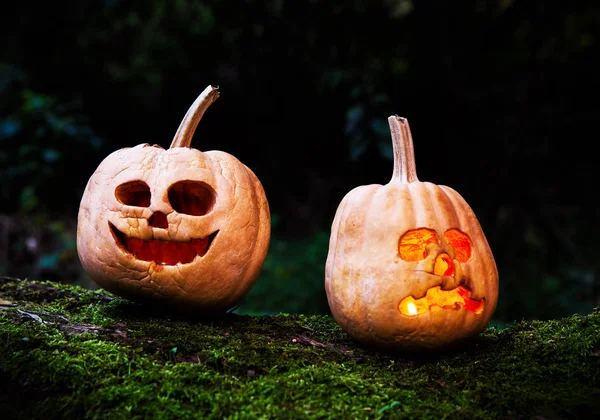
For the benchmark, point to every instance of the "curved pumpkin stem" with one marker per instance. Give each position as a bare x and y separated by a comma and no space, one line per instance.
405,168
185,132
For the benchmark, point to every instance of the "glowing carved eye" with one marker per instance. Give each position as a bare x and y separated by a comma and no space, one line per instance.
191,197
412,245
133,193
461,243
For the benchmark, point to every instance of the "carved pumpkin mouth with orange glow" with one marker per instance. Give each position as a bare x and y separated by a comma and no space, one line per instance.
423,247
160,251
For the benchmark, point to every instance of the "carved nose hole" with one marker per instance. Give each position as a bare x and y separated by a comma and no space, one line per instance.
443,265
158,220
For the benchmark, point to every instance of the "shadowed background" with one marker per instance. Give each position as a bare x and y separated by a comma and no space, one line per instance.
501,97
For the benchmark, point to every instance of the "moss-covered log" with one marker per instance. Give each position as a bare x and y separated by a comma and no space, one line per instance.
68,352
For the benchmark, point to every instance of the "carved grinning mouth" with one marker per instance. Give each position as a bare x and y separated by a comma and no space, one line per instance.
163,252
447,299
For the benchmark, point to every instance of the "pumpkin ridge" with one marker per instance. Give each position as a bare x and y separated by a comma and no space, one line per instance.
442,195
422,205
345,298
480,247
410,203
373,195
335,240
332,282
252,270
340,236
448,217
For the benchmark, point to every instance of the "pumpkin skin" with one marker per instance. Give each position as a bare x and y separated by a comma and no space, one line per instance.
376,264
178,226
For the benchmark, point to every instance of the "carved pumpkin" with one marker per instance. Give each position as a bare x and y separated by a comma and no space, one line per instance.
179,226
409,266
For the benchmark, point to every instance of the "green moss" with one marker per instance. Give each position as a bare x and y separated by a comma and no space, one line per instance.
68,352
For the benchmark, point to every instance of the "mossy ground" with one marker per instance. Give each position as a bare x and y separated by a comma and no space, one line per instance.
68,352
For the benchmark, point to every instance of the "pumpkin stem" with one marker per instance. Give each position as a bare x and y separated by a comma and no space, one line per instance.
405,168
185,132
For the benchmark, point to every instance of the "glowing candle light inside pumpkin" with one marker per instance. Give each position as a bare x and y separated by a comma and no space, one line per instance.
412,309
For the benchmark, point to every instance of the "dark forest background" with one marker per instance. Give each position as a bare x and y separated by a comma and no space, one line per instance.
501,96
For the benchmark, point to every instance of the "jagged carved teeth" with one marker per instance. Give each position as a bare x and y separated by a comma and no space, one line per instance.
163,252
448,299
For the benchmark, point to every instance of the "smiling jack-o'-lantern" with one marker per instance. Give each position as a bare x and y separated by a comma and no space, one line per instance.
180,226
409,266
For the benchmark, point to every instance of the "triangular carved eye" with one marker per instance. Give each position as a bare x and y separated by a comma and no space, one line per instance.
412,245
463,247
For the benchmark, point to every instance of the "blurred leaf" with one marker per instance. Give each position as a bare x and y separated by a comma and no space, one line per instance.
353,118
9,74
51,155
400,8
25,150
49,261
358,145
25,168
551,284
384,141
34,102
275,220
357,141
28,199
399,66
336,77
379,98
9,128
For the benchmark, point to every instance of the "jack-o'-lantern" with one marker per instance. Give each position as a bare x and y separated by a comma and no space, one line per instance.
180,226
409,266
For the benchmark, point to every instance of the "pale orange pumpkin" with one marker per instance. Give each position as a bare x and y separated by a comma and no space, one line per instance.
409,266
178,226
